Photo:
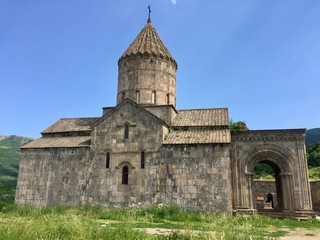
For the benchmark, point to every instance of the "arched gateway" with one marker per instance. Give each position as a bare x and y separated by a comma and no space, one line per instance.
284,151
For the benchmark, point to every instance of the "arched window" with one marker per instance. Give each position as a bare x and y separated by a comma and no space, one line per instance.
154,97
123,94
168,99
108,160
142,159
137,97
125,175
126,131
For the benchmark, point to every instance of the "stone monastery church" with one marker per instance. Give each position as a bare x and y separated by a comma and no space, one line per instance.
144,151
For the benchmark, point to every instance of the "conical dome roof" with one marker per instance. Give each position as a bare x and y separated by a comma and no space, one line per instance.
148,41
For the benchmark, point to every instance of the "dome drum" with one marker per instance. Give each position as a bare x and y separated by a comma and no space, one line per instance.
147,80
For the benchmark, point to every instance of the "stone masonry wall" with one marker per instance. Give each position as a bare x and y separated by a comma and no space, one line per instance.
196,177
52,176
261,189
165,112
315,194
146,135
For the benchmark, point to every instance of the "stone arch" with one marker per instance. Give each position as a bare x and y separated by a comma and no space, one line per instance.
280,156
120,165
281,160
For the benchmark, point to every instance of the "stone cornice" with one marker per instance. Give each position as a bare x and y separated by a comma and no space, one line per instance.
269,135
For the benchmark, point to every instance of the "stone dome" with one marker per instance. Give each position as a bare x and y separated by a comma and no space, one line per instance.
147,71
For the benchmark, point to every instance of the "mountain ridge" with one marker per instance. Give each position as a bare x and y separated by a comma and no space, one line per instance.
312,136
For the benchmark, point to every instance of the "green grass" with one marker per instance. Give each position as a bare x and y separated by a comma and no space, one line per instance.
93,222
7,194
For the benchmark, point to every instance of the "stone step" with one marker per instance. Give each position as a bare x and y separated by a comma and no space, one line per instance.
303,218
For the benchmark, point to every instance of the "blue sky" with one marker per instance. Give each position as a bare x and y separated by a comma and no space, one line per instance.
259,58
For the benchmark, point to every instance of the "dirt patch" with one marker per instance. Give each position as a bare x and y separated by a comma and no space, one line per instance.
303,234
299,234
165,231
158,231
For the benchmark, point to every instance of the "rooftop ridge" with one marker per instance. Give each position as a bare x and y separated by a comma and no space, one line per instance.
79,118
134,104
273,130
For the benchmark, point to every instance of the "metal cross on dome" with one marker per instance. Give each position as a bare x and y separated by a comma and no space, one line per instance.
149,13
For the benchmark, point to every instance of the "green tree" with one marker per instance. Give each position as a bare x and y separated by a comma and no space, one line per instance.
313,155
239,126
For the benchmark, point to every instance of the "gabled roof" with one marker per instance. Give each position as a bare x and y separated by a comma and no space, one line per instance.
135,105
59,142
201,117
148,41
71,125
198,136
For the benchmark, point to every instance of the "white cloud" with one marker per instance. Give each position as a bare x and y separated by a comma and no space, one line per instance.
174,2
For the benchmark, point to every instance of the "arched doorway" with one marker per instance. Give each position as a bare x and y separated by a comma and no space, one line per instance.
284,152
267,187
279,161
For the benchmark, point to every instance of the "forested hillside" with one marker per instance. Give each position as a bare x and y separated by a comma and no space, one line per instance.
9,166
9,158
313,136
313,156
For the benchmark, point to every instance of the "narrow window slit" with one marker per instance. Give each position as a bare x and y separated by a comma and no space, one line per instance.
126,131
108,160
125,175
142,160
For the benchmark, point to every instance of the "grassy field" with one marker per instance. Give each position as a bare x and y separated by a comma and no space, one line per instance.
95,223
